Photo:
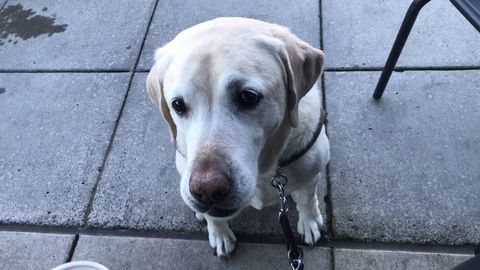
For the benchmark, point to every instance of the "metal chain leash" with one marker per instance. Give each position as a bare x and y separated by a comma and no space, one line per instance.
295,253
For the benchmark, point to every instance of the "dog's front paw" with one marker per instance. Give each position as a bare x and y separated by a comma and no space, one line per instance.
221,238
309,227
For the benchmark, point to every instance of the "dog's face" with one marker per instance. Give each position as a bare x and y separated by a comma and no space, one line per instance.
229,90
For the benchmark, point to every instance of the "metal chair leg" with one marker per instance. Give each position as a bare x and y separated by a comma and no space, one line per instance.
397,48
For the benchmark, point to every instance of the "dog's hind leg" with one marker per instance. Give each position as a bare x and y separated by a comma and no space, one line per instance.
309,217
220,236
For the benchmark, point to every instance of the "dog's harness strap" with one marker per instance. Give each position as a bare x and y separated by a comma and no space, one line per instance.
295,253
298,154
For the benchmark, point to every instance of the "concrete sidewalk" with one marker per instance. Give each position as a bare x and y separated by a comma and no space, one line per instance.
87,169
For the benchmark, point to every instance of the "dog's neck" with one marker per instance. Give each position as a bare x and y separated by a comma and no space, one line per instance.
287,160
310,123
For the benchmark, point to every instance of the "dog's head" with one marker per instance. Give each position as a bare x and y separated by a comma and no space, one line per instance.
229,90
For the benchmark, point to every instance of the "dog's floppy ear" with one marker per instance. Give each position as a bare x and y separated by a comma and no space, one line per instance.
155,90
303,65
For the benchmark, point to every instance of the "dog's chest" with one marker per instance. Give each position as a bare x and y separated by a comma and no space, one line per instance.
265,194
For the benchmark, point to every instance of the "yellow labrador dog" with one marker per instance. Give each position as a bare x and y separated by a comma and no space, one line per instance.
240,99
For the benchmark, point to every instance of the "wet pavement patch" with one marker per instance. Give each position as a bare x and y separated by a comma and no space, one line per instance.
15,21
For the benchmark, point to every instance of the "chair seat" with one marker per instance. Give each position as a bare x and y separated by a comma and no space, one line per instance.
470,9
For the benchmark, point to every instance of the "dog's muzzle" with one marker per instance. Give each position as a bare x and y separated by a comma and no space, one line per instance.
210,184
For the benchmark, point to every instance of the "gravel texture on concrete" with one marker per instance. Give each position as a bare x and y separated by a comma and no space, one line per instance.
85,35
153,253
405,168
395,260
33,251
173,16
360,34
54,131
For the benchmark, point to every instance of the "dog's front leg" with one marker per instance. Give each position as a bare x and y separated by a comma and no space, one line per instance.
309,217
220,235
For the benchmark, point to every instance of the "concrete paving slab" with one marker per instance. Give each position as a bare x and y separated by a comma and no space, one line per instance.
54,131
405,169
153,253
72,34
360,34
172,16
140,185
32,251
395,260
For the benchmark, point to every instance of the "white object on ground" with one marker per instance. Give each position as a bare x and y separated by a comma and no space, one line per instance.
80,265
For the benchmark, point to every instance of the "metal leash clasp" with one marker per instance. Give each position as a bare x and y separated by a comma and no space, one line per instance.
295,253
296,259
279,181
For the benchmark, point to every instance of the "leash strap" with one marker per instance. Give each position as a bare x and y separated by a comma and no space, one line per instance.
279,181
295,253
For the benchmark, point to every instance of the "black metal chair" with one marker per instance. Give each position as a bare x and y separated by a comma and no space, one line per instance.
470,9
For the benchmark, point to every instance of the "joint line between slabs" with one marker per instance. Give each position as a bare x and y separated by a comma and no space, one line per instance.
320,14
465,249
89,207
64,70
403,69
328,197
3,5
73,246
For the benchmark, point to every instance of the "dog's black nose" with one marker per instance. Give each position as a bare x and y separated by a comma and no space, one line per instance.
209,184
209,188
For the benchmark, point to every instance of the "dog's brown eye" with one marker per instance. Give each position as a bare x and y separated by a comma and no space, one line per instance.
248,99
179,106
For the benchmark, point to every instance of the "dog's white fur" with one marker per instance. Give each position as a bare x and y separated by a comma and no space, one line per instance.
199,65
